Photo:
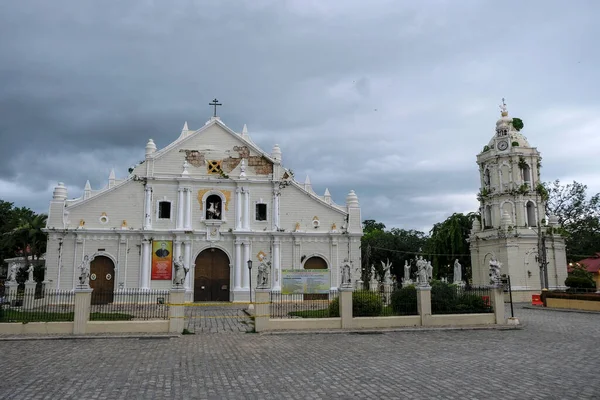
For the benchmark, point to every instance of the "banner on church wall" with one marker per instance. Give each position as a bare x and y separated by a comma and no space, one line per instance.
296,281
162,260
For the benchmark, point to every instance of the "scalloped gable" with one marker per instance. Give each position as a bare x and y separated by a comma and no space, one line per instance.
214,141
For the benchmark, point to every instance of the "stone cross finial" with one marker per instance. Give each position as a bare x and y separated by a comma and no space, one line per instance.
503,107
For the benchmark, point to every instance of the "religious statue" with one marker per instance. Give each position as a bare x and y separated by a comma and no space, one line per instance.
406,270
263,275
373,275
503,106
214,210
422,271
387,272
457,272
429,271
346,276
181,271
84,272
495,267
12,275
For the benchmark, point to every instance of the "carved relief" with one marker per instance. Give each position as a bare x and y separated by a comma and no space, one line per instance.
194,157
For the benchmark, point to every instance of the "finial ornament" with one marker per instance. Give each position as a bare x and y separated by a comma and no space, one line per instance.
503,108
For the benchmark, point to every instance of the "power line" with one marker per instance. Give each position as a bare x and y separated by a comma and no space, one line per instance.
420,252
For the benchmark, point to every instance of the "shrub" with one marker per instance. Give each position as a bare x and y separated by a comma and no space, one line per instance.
404,301
515,144
580,282
364,304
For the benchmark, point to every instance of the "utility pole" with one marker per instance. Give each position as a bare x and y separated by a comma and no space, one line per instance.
544,261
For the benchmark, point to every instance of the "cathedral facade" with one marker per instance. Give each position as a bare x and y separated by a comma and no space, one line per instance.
514,229
211,200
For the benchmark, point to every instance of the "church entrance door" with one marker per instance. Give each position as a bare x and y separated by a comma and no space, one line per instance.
102,275
211,276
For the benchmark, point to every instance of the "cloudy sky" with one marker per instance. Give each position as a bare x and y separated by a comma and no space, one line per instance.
390,98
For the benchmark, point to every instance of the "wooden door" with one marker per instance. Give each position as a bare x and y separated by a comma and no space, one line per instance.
211,276
102,276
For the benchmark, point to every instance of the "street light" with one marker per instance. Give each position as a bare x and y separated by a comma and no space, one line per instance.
542,257
250,273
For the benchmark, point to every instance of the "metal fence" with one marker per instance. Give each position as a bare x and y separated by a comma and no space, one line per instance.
302,306
35,305
454,299
384,301
129,305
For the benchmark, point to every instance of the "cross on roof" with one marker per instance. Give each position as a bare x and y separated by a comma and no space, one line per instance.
215,103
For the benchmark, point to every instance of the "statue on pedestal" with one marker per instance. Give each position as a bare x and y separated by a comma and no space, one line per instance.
30,273
495,267
12,274
263,275
373,276
387,272
457,272
84,272
346,274
429,271
181,272
406,270
422,271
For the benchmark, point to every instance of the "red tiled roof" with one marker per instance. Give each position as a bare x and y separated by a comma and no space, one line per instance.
592,264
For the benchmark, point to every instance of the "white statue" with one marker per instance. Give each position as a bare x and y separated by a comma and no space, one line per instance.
30,273
12,275
84,272
263,275
457,272
387,272
181,271
373,275
495,267
406,270
429,271
346,276
422,271
503,106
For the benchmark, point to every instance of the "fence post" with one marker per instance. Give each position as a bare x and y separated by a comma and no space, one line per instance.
83,300
424,303
498,304
10,288
262,312
29,295
176,310
346,306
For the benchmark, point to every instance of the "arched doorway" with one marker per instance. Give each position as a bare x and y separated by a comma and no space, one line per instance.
102,280
211,276
315,262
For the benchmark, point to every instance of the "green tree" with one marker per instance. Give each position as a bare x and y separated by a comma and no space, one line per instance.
578,216
447,242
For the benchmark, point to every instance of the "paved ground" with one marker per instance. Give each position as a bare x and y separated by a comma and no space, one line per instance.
206,318
555,356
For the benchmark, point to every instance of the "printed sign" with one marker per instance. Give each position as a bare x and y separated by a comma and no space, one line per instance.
304,281
162,260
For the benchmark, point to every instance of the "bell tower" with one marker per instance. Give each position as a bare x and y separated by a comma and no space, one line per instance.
512,207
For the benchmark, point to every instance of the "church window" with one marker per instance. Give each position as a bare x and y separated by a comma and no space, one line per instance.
261,212
488,217
530,209
164,209
487,177
526,173
214,167
213,207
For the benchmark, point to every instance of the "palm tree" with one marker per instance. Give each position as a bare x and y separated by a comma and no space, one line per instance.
28,237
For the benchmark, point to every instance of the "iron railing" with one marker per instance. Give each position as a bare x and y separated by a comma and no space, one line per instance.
129,305
395,301
454,299
304,306
35,305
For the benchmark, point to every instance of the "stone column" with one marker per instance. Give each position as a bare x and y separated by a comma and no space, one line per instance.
29,295
146,267
345,294
83,299
180,208
245,272
188,209
238,265
276,274
262,312
246,226
148,207
424,303
176,310
187,259
497,302
275,211
238,209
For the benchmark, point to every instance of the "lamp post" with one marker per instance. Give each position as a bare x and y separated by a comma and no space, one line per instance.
542,257
250,274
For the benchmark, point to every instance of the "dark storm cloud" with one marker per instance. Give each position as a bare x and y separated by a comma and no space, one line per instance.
391,99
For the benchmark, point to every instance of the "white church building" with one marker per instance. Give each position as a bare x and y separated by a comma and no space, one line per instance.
514,226
211,199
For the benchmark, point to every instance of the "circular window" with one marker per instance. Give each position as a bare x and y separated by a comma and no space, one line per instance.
103,219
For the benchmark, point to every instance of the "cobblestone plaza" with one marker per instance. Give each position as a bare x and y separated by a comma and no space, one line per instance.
555,356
